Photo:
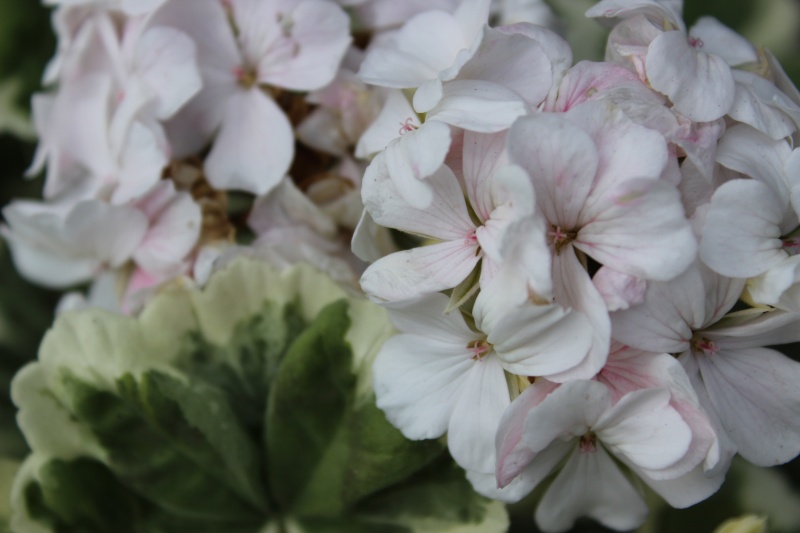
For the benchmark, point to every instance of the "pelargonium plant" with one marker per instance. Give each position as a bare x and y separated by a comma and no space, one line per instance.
583,264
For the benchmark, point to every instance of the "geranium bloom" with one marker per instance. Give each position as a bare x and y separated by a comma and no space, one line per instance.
117,84
294,44
498,195
580,423
652,38
748,389
759,215
596,179
463,72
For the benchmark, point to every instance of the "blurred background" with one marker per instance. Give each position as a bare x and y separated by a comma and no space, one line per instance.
26,311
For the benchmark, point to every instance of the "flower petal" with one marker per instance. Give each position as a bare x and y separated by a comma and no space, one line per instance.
643,427
445,218
483,399
686,490
413,157
638,228
754,391
411,273
541,340
478,105
320,33
741,235
483,155
591,485
700,85
561,160
418,382
166,60
515,61
573,288
254,147
427,44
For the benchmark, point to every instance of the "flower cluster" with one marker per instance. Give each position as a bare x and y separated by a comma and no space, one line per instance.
604,251
156,109
584,261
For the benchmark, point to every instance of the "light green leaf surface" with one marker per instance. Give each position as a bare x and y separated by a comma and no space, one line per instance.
227,409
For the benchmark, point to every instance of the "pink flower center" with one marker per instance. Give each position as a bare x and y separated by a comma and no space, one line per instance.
587,443
696,42
246,77
792,245
478,349
705,346
407,126
560,238
471,239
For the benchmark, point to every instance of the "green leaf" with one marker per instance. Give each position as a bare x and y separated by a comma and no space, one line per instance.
252,420
71,491
324,452
84,496
245,368
176,444
437,499
350,525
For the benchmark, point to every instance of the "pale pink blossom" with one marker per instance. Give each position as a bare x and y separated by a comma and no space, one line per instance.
498,194
580,425
294,44
749,231
463,72
746,389
595,174
439,376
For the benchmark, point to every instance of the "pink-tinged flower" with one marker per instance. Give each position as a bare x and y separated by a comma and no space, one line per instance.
629,369
580,425
498,195
700,85
532,334
758,101
117,83
465,73
412,151
748,391
751,223
293,44
596,179
385,14
707,73
588,81
346,108
61,245
653,41
440,376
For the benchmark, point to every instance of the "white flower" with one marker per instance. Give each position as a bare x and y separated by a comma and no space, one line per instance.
295,45
579,423
749,390
498,195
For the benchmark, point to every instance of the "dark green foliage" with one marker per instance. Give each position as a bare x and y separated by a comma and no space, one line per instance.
349,450
268,427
